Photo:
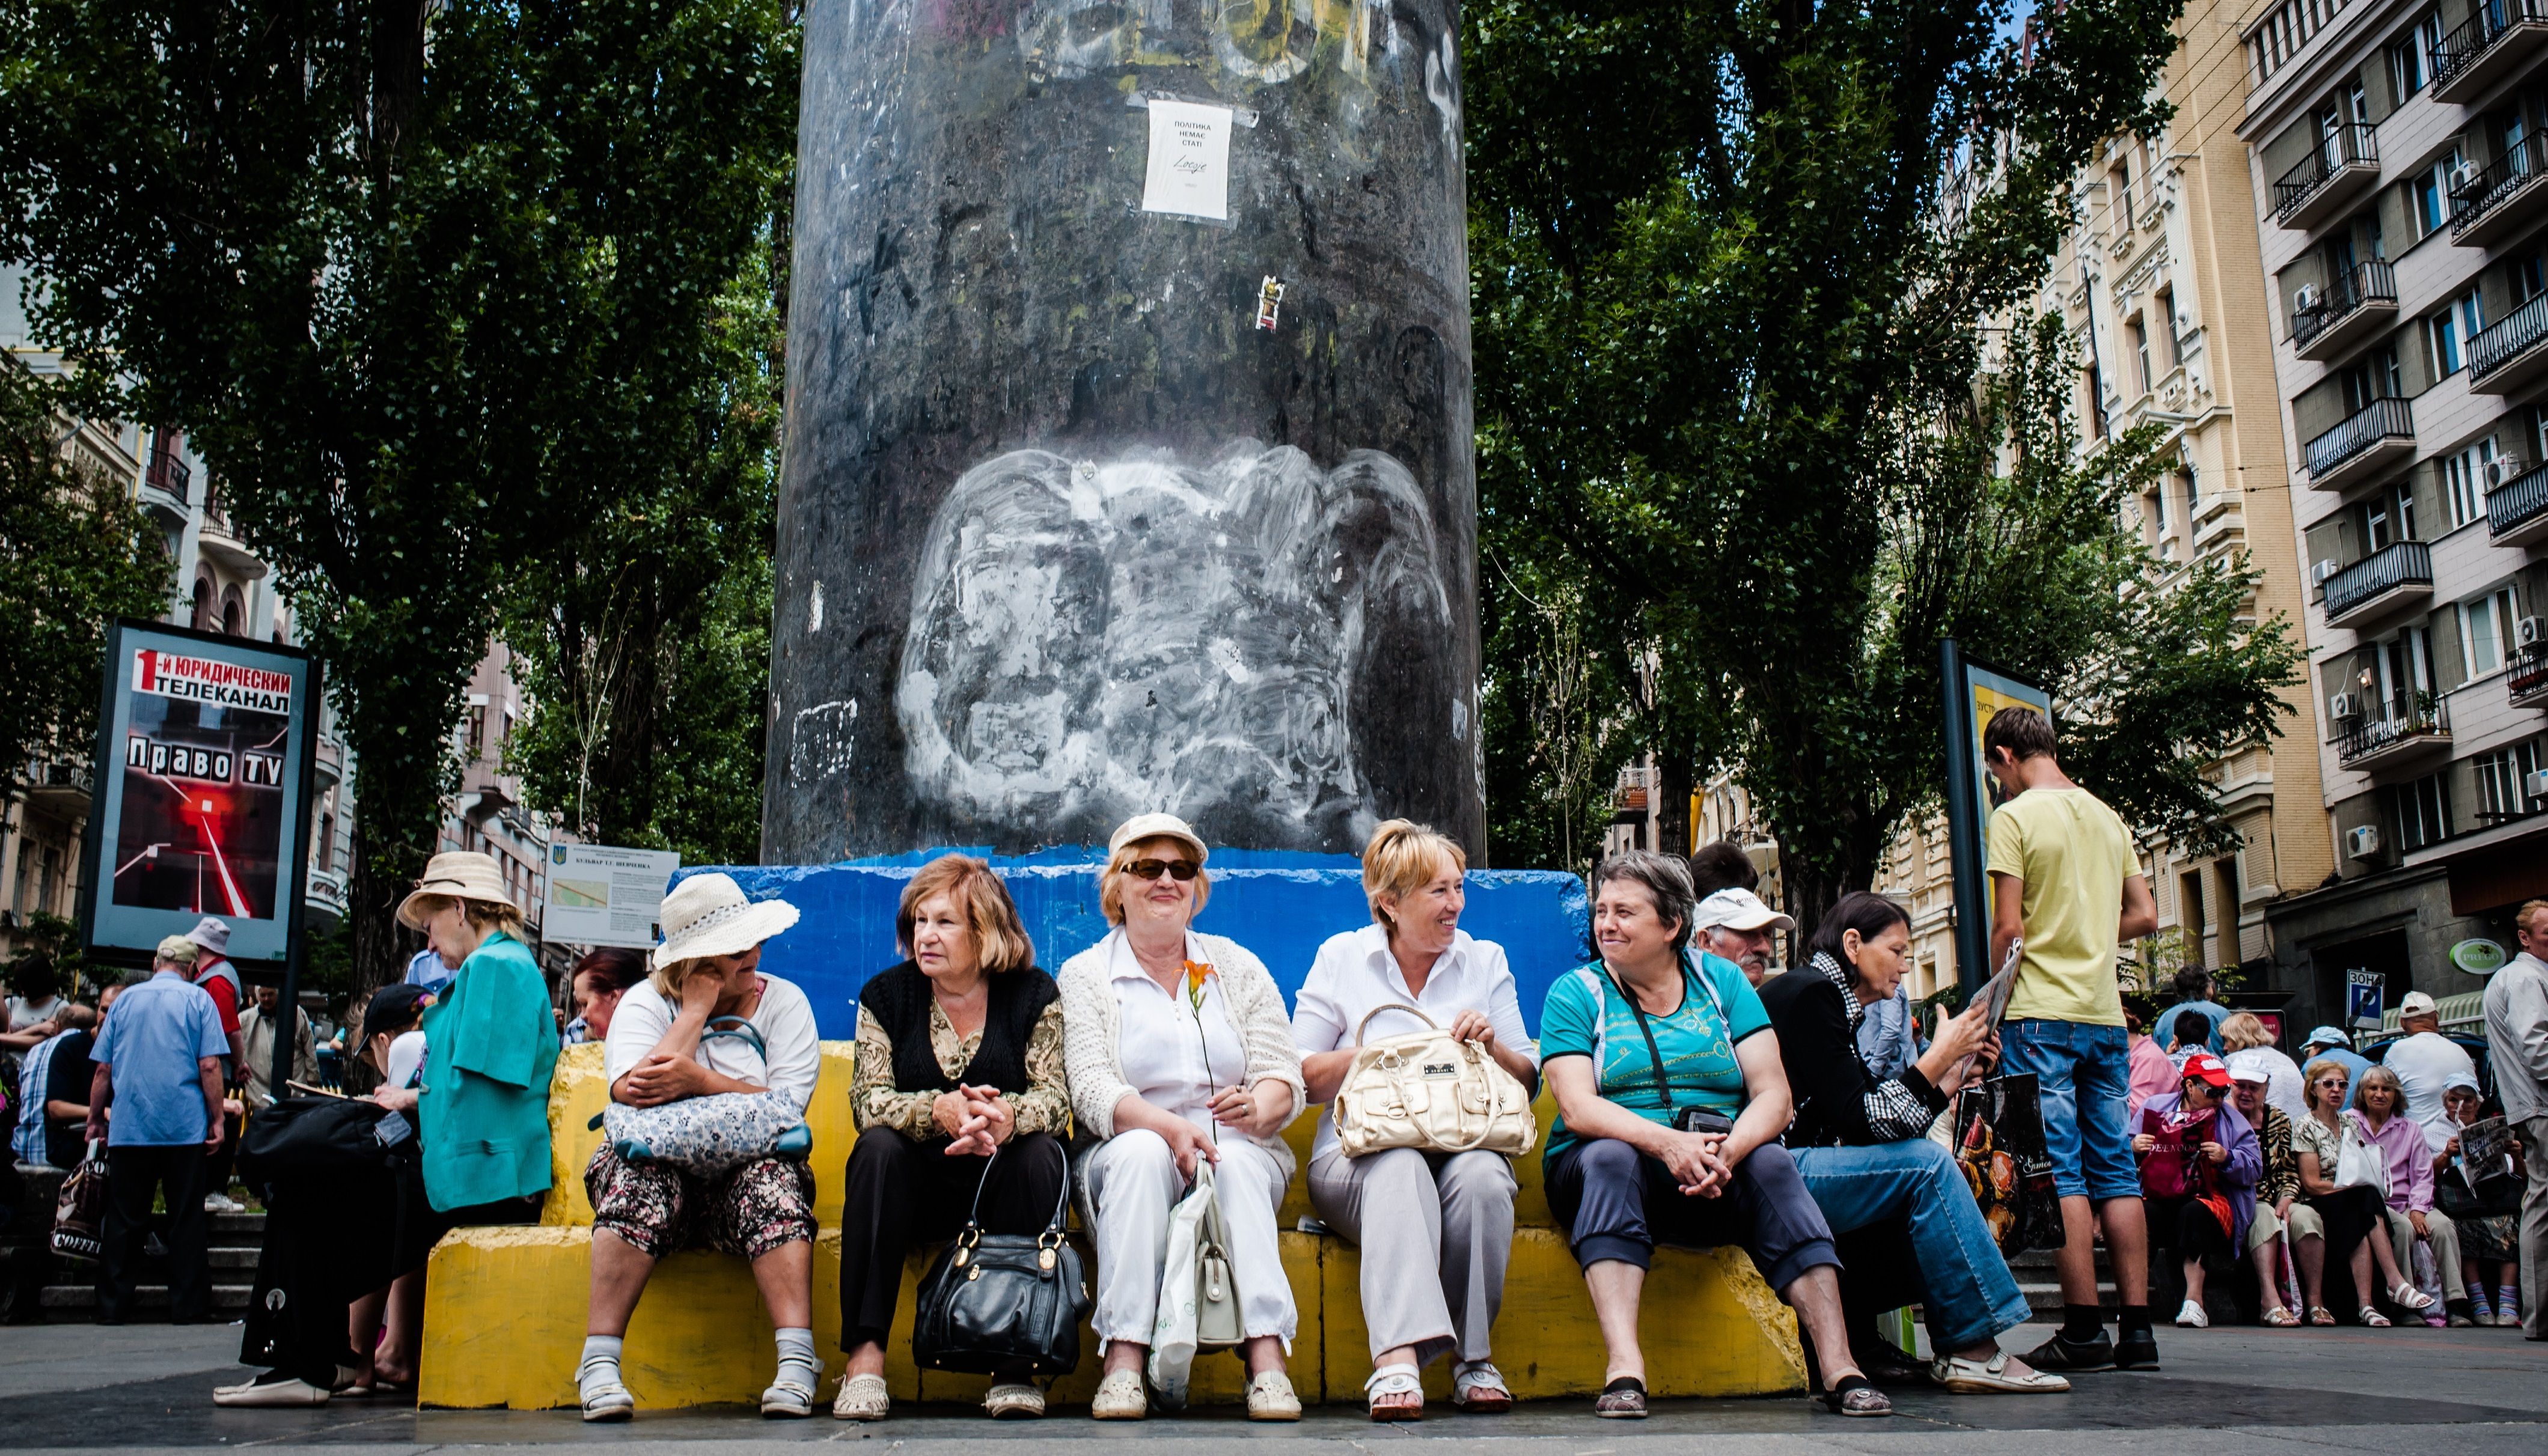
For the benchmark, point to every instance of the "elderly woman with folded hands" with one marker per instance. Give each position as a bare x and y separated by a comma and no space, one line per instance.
1179,1052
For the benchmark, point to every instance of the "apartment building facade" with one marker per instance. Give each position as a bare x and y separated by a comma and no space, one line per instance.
2402,206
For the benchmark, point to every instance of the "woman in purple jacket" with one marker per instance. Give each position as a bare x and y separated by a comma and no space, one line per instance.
2200,1162
2379,1105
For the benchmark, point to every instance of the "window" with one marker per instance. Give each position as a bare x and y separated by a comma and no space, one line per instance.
2389,518
2375,378
476,730
2407,68
2526,277
2168,326
2464,482
327,842
2423,813
2503,782
2485,628
2450,332
2430,194
2096,402
2141,351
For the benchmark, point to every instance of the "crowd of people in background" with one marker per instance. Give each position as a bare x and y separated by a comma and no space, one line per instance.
1705,1095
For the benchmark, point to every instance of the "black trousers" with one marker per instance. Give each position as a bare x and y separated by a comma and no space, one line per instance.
902,1192
328,1242
132,1175
2181,1222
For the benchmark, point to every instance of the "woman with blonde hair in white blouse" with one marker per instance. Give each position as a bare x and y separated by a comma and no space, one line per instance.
1179,1052
1435,1228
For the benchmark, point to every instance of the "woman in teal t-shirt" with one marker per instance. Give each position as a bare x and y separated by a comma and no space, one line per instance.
1671,1102
490,1045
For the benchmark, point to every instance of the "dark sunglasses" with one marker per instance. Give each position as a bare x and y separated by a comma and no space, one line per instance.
1183,869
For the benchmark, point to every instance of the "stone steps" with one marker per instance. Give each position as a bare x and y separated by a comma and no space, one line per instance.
69,1288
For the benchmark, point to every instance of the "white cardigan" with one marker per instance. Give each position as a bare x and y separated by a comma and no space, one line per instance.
1090,1020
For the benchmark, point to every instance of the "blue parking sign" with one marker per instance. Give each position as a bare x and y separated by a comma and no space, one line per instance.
2362,998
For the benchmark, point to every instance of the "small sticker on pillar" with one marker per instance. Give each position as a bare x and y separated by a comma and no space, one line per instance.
1269,302
1189,167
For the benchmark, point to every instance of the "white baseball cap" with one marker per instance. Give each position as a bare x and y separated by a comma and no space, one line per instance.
2414,1003
1738,909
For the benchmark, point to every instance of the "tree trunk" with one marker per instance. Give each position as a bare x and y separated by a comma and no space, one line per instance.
1673,784
383,873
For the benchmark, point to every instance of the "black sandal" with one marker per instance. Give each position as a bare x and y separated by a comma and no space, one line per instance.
1854,1395
1623,1399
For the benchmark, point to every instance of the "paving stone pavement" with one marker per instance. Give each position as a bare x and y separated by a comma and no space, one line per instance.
2469,1392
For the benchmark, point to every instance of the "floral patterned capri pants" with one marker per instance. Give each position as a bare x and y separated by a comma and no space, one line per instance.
659,1208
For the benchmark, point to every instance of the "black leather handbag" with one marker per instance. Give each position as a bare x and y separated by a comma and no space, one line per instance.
996,1300
300,1137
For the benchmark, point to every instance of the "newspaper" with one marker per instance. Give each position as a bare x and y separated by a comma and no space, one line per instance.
2485,1151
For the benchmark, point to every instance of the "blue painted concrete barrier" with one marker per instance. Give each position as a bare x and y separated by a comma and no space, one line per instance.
1279,904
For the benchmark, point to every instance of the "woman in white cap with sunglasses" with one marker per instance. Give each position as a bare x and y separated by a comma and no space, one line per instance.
659,1051
1180,1051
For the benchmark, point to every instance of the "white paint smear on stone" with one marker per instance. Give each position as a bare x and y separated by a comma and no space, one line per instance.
821,741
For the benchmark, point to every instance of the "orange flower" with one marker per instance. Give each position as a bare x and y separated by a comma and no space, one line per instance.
1195,970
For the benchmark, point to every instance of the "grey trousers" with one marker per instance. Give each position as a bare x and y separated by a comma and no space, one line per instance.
2445,1239
2534,1225
1436,1232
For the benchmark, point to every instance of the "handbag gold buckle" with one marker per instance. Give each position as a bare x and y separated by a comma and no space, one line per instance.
964,1242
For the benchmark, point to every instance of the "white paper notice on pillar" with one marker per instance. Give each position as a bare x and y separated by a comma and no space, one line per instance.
1189,173
600,895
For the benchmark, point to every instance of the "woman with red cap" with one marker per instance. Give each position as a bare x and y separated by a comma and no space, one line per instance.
2200,1162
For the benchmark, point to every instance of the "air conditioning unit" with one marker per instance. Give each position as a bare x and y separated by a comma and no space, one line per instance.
2534,784
2530,631
2461,176
2342,705
2362,840
2503,470
2306,299
2321,571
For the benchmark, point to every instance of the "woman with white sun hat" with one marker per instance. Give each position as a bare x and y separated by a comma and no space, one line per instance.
659,1050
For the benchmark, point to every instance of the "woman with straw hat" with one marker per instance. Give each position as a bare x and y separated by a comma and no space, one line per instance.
659,1051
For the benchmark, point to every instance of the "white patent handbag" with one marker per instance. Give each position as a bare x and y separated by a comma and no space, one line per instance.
1431,1091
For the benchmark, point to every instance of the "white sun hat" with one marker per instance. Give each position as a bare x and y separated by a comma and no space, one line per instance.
710,915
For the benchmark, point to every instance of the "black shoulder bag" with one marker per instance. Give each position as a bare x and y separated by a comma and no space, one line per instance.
995,1301
1683,1119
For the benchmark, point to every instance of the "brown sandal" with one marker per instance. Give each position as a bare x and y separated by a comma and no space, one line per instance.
1855,1395
1623,1399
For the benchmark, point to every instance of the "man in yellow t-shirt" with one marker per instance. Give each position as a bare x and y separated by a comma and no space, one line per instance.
2065,879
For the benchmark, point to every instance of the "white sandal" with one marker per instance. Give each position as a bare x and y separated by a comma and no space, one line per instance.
2410,1299
1014,1399
1121,1397
862,1398
1270,1396
1478,1388
2371,1319
1389,1393
1991,1378
605,1397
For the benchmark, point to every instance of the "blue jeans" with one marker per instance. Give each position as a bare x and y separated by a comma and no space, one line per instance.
1968,1290
2083,1082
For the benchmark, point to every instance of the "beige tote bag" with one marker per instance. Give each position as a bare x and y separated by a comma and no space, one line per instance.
1427,1090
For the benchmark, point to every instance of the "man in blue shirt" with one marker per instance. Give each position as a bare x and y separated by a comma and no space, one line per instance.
2194,990
157,1102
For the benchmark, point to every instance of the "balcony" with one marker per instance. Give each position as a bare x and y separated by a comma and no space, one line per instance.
2506,197
2366,443
2516,512
2356,305
2526,674
2512,351
2341,167
2407,728
59,786
2382,581
2487,48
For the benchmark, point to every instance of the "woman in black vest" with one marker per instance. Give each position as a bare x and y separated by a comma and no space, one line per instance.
958,1053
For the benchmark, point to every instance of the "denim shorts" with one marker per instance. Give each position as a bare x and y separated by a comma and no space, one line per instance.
2083,1080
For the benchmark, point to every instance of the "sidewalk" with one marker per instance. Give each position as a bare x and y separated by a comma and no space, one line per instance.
148,1387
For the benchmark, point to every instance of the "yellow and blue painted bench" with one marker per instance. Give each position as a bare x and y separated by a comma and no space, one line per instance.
504,1306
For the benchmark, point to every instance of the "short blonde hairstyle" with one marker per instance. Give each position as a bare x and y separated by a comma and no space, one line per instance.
1405,856
487,916
1109,885
2521,917
2244,1030
2310,1075
2381,1077
979,891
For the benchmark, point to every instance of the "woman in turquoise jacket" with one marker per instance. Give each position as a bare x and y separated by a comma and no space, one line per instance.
490,1048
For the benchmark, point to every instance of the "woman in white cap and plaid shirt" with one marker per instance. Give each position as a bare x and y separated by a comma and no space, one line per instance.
709,968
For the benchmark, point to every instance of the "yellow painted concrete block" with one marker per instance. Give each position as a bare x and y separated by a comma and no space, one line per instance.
579,1091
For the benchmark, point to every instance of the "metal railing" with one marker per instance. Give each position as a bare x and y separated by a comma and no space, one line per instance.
2363,283
2525,672
2478,34
2381,419
2517,503
2351,142
2403,564
2507,339
2507,174
2403,717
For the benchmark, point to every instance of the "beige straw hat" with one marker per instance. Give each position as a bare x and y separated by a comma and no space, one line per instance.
455,875
710,915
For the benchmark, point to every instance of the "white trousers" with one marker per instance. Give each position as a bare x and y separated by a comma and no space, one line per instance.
1133,1185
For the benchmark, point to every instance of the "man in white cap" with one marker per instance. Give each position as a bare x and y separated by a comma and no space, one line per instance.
2516,1038
1733,924
2425,1060
221,980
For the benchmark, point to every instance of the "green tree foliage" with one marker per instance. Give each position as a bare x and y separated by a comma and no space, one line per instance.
74,554
1735,269
420,280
